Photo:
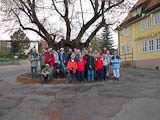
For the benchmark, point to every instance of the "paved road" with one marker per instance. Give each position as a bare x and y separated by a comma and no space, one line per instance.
135,97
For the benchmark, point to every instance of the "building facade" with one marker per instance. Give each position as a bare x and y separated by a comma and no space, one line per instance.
139,35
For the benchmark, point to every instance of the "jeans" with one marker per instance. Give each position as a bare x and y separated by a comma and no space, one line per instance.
69,77
80,75
116,73
90,75
34,72
63,67
105,68
99,74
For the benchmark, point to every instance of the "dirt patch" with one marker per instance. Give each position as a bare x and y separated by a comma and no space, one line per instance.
27,79
54,116
1,80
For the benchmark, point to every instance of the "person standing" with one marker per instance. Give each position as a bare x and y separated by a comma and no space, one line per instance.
105,50
90,67
84,51
34,58
43,60
77,57
56,56
69,55
106,61
81,69
116,60
72,67
99,67
63,59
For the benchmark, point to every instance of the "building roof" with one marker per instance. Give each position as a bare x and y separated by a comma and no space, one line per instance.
147,6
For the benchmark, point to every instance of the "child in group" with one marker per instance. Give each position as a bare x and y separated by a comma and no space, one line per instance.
72,67
81,69
99,67
116,60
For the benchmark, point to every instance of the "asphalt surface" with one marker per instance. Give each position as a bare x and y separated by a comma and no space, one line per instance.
135,97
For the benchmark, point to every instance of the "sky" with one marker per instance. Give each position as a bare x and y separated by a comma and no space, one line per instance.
60,26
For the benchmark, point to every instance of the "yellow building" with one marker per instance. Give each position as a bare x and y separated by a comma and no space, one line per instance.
139,35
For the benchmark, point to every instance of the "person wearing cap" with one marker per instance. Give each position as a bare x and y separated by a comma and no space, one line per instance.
34,58
63,59
43,59
72,67
46,74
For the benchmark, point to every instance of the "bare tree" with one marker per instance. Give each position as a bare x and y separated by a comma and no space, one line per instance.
32,10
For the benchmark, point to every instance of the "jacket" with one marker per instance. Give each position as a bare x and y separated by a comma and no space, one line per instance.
56,56
90,61
77,57
72,65
81,65
98,64
115,60
50,60
34,58
106,60
43,60
63,57
46,71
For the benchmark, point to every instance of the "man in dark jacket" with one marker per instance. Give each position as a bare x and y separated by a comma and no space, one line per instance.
90,67
58,70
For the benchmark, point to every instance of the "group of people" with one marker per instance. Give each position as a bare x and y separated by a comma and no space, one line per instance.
78,64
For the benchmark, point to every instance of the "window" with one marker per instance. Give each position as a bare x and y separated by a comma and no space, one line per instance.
150,45
128,49
157,41
148,23
122,33
142,25
123,50
157,19
127,31
144,46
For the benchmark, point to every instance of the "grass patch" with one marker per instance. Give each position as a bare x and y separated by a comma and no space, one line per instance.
7,59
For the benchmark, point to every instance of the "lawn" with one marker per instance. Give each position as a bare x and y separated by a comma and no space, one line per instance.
7,59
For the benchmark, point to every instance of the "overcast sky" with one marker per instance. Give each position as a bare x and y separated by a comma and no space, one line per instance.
61,26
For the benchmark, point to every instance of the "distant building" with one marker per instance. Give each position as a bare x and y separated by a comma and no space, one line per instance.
139,35
5,46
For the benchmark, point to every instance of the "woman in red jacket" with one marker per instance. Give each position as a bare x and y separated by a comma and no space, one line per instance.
81,68
50,60
99,66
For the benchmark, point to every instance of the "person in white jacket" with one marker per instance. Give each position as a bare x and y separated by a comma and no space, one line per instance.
106,62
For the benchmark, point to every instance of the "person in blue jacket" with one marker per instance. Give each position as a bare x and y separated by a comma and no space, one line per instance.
63,59
116,60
